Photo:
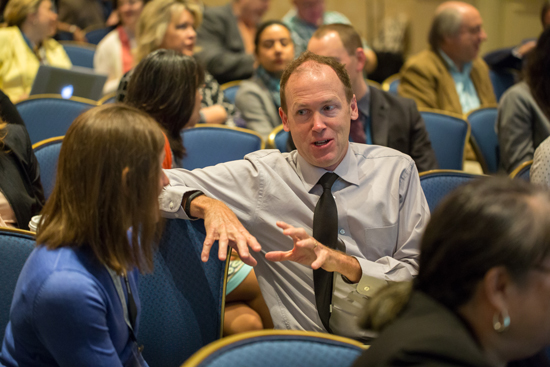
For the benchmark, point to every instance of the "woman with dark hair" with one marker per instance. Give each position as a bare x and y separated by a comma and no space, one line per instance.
171,25
524,111
166,85
258,99
482,294
76,301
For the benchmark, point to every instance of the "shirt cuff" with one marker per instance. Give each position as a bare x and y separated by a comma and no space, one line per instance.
370,281
170,202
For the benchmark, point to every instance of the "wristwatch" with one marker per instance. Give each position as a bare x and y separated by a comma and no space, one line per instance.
190,198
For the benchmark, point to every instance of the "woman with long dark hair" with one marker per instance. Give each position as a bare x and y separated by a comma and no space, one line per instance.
524,110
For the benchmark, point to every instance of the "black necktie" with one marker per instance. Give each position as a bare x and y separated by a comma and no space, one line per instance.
325,230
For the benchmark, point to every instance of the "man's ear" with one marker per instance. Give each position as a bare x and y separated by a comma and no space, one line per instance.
361,59
354,110
284,119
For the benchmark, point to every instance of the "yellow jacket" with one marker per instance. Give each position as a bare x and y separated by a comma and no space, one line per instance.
19,65
426,79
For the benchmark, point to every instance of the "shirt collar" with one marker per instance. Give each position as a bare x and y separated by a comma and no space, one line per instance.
452,66
346,170
364,103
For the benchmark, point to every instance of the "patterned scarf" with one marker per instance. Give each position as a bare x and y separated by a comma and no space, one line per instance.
272,83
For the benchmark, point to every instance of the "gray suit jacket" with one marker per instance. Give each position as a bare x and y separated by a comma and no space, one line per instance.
521,126
257,107
221,47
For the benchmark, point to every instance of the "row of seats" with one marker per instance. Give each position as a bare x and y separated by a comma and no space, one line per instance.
183,299
48,116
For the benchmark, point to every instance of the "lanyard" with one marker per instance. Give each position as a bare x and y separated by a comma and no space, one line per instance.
118,285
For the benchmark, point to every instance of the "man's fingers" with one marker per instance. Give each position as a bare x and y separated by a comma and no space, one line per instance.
207,245
277,255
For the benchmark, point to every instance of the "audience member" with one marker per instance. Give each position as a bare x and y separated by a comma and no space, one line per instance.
524,110
449,75
491,314
259,99
114,54
309,15
226,38
171,24
166,85
85,13
296,271
21,194
384,119
540,170
8,112
69,307
26,43
514,57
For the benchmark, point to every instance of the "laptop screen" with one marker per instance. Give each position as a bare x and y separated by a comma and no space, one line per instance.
77,81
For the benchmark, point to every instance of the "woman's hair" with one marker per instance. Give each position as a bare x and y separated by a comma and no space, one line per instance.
537,75
3,133
107,181
262,27
165,85
154,20
17,11
487,223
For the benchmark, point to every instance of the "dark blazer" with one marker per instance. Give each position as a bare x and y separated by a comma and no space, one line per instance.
396,123
221,47
425,334
20,175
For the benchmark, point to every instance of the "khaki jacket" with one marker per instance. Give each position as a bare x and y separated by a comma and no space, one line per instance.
426,79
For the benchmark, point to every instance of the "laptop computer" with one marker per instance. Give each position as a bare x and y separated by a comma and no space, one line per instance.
77,81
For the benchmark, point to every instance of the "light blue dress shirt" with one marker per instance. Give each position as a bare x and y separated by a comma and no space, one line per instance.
465,88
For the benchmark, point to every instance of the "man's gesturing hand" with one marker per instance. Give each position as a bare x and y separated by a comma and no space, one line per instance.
309,252
223,225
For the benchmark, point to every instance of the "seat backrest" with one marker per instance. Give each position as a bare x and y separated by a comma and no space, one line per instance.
15,247
182,301
448,134
208,145
47,154
484,138
96,35
230,90
437,184
501,80
47,116
80,55
108,98
523,171
391,84
270,348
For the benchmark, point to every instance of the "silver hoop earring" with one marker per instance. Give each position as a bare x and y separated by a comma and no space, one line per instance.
498,325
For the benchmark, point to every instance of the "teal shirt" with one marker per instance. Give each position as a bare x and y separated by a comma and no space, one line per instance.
302,31
465,88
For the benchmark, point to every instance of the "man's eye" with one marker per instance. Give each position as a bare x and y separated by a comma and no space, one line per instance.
328,108
301,112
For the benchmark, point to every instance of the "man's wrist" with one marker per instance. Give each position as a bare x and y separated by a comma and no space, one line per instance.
348,266
188,199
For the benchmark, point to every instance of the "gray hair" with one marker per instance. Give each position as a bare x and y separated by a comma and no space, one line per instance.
446,23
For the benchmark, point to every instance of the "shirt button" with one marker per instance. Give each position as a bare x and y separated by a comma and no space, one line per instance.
342,231
171,205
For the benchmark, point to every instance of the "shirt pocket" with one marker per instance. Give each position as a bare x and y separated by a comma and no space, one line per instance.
380,241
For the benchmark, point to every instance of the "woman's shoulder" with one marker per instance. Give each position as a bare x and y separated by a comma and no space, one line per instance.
7,37
520,90
111,38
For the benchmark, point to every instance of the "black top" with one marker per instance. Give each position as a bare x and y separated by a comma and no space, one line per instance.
20,175
8,112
